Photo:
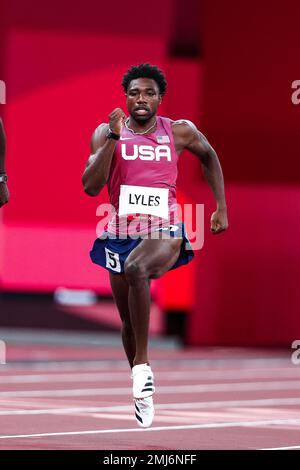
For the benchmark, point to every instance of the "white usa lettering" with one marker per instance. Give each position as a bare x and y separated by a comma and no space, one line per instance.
147,152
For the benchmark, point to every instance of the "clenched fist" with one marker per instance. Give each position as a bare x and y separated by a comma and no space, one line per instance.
116,120
219,221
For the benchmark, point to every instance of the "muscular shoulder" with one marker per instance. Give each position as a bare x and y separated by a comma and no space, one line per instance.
98,137
184,132
187,136
183,124
100,130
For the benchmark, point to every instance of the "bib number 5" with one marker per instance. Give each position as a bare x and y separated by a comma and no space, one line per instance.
112,261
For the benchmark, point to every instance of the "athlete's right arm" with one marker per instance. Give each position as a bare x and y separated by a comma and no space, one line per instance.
97,170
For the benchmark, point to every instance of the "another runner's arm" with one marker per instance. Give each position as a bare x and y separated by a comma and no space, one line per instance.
2,148
190,138
4,194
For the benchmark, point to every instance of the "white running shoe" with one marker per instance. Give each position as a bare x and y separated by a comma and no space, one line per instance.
143,381
144,412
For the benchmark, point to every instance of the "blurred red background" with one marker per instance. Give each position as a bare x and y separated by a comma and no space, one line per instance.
228,70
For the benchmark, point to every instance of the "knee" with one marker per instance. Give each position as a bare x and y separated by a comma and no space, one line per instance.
158,273
135,272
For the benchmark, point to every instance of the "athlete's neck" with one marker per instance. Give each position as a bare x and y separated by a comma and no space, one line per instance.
140,127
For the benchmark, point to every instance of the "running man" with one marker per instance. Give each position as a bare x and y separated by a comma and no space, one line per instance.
136,156
4,194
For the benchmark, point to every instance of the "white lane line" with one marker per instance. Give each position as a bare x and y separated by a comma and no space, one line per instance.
265,402
184,375
181,363
265,422
282,448
63,377
195,388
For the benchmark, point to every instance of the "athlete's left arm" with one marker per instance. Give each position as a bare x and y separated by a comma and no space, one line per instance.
187,136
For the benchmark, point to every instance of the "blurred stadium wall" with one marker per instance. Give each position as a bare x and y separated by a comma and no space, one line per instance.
230,68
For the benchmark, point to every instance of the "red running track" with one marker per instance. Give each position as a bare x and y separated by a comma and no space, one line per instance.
80,398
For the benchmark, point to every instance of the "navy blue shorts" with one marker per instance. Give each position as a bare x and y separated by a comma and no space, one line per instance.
111,252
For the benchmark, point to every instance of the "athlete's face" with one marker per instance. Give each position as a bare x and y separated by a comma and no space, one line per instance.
143,99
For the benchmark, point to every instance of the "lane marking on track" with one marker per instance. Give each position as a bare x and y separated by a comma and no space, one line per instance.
264,402
122,364
199,388
163,375
267,422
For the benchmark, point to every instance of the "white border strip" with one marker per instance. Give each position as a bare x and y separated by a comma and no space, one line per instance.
282,448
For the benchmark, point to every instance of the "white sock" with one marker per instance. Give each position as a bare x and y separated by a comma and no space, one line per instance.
139,367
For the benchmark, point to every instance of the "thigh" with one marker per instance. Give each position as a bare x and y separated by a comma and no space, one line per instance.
156,256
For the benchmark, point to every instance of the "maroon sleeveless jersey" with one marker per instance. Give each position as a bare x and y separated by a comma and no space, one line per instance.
142,181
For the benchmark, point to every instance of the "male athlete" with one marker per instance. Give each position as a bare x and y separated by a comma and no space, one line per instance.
4,194
136,157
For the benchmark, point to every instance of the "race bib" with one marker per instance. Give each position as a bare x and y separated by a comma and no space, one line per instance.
143,200
112,260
